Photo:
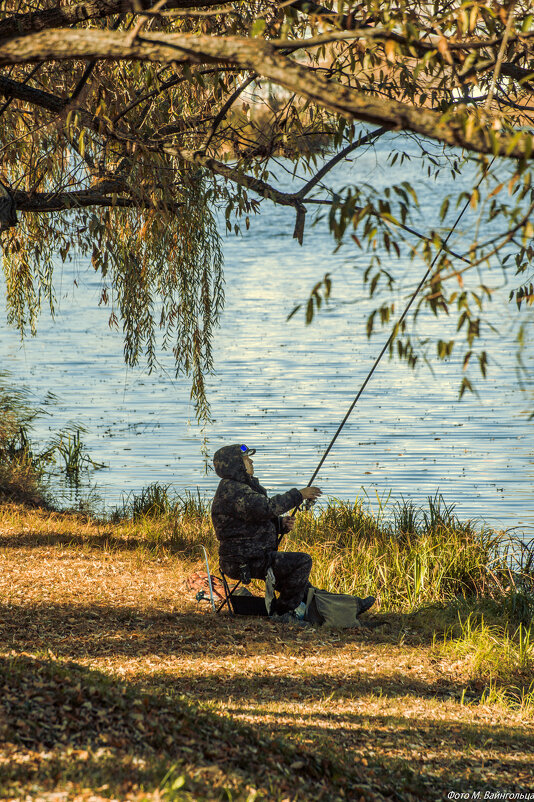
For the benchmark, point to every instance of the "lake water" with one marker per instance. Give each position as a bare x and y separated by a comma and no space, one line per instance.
283,388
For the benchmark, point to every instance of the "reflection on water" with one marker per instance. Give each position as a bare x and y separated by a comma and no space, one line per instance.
283,388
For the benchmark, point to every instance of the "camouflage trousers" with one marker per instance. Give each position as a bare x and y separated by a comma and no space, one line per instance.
291,571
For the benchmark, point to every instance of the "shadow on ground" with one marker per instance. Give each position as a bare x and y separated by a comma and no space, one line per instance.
103,542
62,723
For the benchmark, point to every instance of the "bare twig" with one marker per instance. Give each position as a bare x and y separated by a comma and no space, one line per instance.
178,79
505,239
225,109
364,140
143,21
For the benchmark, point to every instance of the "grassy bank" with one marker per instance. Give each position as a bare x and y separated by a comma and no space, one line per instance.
470,588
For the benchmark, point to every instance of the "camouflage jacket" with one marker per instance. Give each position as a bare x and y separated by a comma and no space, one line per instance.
245,520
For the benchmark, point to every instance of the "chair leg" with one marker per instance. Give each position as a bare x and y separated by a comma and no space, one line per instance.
228,594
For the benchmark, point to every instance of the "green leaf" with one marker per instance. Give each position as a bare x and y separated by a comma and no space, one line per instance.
370,322
258,27
293,312
466,385
467,357
309,311
374,282
483,361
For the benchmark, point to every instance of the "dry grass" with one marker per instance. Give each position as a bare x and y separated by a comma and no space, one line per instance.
116,685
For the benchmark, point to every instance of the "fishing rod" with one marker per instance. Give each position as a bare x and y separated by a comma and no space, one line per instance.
394,331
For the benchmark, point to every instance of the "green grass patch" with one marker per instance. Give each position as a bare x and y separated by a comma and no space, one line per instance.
421,562
491,650
166,521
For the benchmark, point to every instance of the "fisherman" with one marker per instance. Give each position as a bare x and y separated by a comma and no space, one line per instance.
248,523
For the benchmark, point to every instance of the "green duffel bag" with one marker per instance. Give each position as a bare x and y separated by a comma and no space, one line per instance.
332,609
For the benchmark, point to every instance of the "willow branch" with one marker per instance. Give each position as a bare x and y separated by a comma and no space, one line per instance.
226,108
396,223
104,127
498,63
456,129
80,12
346,22
36,97
364,140
172,82
110,192
63,201
501,239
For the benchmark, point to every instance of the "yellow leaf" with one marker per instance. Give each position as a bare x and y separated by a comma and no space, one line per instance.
390,49
443,48
512,183
473,17
469,127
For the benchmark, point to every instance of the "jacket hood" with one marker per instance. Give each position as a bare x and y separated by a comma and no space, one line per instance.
228,463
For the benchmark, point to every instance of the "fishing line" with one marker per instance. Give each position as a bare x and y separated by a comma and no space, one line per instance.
396,328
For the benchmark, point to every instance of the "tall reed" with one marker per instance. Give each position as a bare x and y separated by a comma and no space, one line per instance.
21,476
167,520
419,557
25,467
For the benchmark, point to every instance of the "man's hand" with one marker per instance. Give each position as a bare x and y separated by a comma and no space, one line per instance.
311,493
288,523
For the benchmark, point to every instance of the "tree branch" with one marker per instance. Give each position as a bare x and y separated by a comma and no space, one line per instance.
500,56
456,129
79,12
25,81
261,188
226,107
36,97
51,102
346,22
443,245
172,82
519,74
89,69
104,193
370,137
46,100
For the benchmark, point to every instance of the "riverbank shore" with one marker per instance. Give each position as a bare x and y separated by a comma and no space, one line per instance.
117,684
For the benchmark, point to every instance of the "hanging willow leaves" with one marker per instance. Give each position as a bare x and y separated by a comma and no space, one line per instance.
126,126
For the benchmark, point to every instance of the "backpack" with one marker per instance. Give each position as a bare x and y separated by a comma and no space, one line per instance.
332,609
